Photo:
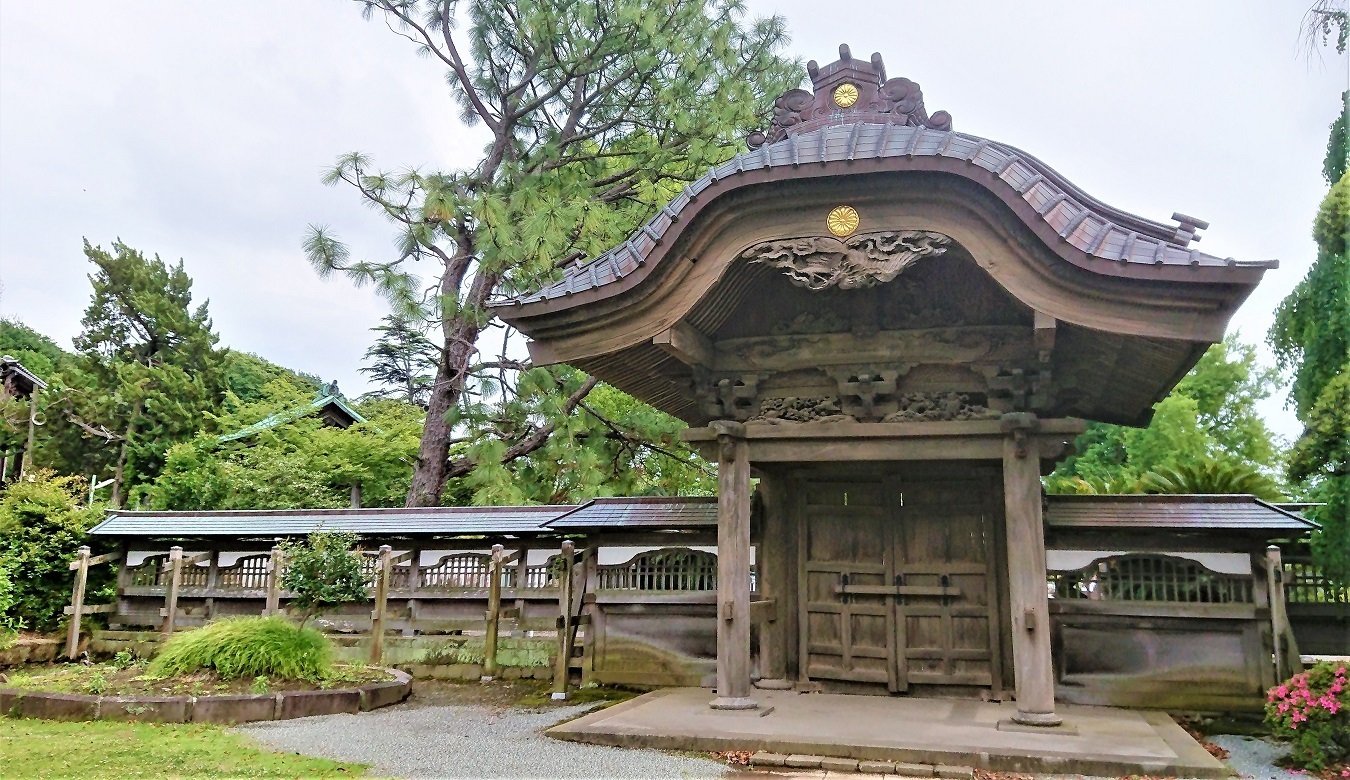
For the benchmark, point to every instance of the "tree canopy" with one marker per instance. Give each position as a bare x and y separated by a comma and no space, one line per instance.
1311,338
597,112
1211,414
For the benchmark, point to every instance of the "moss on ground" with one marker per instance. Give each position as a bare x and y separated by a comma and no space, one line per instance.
53,749
132,679
471,650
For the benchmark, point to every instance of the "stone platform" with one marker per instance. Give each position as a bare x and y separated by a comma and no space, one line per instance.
1093,740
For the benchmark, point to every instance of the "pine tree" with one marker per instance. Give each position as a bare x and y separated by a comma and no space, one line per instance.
403,361
598,111
147,371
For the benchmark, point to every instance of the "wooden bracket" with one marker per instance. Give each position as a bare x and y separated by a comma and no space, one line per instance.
1044,335
687,345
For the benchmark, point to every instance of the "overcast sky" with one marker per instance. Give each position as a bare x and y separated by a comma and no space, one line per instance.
200,131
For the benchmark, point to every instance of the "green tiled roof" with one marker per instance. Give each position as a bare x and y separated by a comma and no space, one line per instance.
328,396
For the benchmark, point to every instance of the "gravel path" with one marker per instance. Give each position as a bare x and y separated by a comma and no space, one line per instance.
468,741
1255,758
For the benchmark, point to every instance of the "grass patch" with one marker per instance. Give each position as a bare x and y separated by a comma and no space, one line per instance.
52,749
610,694
132,679
247,647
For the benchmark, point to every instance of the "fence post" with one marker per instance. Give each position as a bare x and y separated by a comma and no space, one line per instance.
494,613
81,567
1287,660
171,598
564,622
381,602
590,576
274,564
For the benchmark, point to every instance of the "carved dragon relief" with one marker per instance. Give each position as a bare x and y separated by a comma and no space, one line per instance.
860,260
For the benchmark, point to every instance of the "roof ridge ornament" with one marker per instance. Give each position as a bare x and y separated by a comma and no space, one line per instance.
846,91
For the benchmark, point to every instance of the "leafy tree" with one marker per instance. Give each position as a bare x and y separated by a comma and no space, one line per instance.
1207,475
1210,413
323,572
300,464
597,112
42,526
146,372
403,361
246,374
1311,337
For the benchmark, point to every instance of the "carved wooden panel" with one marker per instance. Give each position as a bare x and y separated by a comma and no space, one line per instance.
856,261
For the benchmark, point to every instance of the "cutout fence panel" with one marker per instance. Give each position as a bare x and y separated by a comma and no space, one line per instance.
1151,578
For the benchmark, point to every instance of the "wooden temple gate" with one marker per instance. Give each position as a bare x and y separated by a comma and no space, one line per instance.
863,295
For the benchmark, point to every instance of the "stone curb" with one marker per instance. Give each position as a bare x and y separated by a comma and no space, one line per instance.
205,709
765,758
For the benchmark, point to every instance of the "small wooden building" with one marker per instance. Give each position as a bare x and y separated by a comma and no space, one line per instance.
897,328
20,384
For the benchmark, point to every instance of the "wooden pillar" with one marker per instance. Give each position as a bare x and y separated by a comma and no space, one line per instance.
1027,597
773,562
356,495
377,617
274,564
81,567
25,463
733,569
564,660
171,598
494,613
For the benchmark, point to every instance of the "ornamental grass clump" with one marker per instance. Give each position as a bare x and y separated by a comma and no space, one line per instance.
248,647
1312,711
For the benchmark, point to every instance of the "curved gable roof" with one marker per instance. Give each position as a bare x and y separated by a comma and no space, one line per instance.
1078,227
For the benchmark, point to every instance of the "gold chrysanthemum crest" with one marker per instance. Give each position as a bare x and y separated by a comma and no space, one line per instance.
842,220
845,95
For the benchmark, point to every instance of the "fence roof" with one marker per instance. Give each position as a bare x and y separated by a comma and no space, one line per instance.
420,521
1175,512
657,513
642,513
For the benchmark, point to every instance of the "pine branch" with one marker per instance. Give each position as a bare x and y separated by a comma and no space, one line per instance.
536,439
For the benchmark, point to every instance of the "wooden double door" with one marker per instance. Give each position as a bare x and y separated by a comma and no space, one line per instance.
899,580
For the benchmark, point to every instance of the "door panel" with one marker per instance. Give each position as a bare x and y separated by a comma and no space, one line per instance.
898,581
848,634
945,542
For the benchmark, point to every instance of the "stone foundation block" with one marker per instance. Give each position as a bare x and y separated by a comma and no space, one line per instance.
799,761
226,710
303,704
9,702
511,673
914,770
831,764
152,709
59,706
955,772
763,758
379,695
876,767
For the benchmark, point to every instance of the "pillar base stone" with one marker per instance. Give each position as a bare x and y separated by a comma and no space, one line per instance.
1037,718
733,703
774,685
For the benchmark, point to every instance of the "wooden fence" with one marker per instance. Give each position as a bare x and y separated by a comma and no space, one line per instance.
1318,609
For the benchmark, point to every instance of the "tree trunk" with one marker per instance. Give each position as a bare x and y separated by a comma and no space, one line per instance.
119,492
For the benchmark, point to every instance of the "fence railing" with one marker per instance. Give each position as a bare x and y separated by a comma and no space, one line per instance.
670,569
1151,578
1304,583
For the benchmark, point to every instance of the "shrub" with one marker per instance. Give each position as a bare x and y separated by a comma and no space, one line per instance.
323,572
42,525
1312,711
247,647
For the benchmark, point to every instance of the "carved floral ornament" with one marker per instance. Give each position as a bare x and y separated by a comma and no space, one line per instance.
858,260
